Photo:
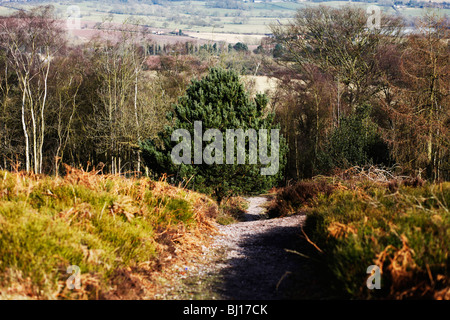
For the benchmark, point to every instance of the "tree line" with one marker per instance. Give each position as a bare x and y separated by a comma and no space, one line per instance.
84,104
346,95
356,96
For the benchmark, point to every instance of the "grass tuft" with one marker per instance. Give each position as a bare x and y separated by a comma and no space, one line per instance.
111,227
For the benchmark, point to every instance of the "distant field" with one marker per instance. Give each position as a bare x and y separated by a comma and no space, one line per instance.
253,39
197,18
262,84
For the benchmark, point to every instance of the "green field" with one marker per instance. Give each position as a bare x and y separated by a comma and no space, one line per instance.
198,15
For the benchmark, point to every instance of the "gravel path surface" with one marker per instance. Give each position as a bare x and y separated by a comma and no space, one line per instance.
256,263
247,260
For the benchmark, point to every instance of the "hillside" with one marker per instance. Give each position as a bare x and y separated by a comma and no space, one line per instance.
210,17
309,163
120,232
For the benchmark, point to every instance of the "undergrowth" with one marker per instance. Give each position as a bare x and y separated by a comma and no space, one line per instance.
232,210
116,230
400,225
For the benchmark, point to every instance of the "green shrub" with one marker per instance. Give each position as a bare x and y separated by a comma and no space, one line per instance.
404,233
355,142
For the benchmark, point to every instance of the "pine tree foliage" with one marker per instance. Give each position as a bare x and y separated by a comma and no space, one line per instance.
356,142
221,102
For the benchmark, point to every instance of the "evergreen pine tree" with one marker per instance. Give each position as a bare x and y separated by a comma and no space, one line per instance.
220,102
356,142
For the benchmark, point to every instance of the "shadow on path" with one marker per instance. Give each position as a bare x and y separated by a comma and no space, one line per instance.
266,271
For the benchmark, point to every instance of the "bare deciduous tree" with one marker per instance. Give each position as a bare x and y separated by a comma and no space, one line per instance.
31,41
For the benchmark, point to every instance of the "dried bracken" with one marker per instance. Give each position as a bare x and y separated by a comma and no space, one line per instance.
338,230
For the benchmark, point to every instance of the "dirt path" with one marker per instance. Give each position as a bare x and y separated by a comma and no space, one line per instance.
247,260
257,264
